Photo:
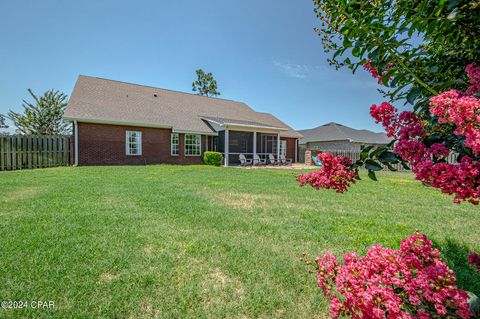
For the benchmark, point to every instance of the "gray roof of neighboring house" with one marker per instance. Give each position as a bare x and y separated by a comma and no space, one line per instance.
337,132
108,101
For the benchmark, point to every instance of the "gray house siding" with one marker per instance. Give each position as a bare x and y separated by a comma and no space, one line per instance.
337,145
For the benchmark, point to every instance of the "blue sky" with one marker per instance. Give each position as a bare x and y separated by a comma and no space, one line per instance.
264,53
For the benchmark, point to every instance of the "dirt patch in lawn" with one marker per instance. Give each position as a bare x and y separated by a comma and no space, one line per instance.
218,287
21,194
239,200
107,277
147,250
249,201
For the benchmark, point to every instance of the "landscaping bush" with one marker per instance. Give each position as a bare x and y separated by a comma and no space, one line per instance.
412,282
213,158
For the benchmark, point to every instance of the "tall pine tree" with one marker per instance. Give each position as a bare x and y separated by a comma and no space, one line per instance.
205,84
43,116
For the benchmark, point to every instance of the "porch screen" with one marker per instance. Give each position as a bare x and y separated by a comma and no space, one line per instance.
240,142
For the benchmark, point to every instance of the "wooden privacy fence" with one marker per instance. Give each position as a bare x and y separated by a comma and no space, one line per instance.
355,155
22,151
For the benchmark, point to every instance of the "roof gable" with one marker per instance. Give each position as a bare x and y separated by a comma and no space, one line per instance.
337,132
108,101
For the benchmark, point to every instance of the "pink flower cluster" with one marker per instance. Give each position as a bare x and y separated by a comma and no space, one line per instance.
336,173
474,260
462,110
412,282
374,71
385,113
460,179
473,72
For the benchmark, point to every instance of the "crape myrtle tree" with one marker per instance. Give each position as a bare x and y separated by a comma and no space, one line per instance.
205,84
43,116
425,54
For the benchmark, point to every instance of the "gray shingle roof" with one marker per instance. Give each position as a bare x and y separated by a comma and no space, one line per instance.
337,132
109,101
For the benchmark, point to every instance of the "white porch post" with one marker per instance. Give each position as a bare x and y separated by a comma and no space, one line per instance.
296,150
254,144
75,124
226,146
278,146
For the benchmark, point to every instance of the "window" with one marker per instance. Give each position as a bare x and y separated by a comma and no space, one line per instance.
134,143
175,144
192,145
283,148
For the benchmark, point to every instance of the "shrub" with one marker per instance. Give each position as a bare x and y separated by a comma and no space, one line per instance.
412,282
213,158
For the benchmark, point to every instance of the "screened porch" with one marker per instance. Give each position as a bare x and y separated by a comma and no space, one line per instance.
249,143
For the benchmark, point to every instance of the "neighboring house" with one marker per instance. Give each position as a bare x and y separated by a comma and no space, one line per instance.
334,136
123,123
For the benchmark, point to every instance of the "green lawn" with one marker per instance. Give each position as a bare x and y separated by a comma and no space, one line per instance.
201,242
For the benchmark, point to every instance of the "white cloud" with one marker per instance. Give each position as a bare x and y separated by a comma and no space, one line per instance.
299,71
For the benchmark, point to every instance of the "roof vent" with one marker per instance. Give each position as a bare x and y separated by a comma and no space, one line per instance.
155,95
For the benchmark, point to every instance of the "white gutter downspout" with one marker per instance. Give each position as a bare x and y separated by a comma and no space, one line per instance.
254,144
278,146
76,143
227,142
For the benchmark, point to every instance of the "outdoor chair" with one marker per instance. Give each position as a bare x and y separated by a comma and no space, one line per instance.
257,161
272,160
285,161
244,161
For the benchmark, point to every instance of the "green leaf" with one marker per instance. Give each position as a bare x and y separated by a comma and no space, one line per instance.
452,14
378,151
452,3
391,168
371,165
405,165
356,52
364,152
433,69
412,95
372,175
387,157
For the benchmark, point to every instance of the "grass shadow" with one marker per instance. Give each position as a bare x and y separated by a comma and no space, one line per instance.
455,255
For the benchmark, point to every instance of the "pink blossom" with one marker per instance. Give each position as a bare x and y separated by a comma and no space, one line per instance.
473,72
462,110
474,260
389,283
335,173
374,71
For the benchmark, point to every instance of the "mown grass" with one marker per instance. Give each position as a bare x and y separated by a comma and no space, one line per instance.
201,242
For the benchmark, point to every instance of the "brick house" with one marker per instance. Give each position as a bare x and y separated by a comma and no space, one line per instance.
333,136
118,123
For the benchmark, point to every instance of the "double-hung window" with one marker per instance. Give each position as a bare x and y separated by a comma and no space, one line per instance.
133,145
175,144
192,145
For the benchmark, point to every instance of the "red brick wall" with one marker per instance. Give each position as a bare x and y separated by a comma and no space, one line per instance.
290,147
102,144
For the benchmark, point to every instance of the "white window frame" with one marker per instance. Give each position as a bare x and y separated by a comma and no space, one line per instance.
185,145
177,144
138,142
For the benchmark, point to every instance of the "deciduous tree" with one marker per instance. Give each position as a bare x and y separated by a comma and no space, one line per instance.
424,53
